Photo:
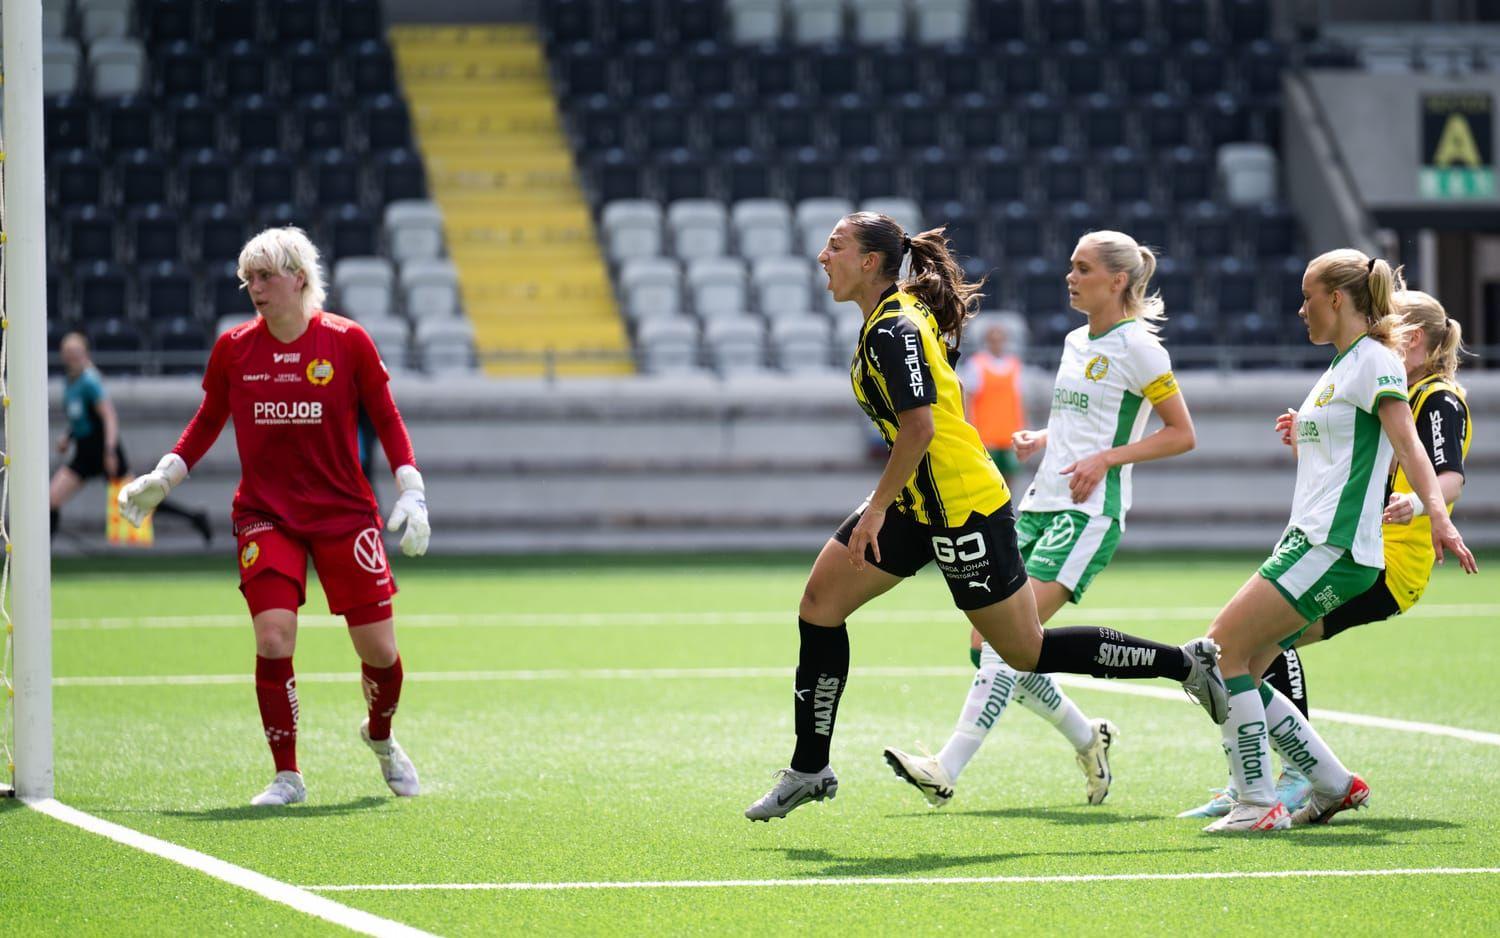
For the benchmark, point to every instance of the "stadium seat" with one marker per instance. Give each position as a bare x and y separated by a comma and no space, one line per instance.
632,21
183,344
583,69
364,287
1274,232
873,172
1187,176
940,21
1164,122
429,289
1103,121
54,19
1148,226
977,122
1000,20
100,291
770,70
166,291
414,229
781,283
206,178
1207,231
223,295
646,69
692,20
632,228
754,21
77,178
1185,20
616,175
349,231
1061,20
281,215
801,344
128,123
337,179
218,232
1080,66
717,285
855,124
155,234
244,69
445,345
881,21
1261,65
164,21
60,67
224,323
229,21
355,20
959,70
597,123
846,330
683,174
115,336
1246,20
567,21
1064,177
141,178
1039,122
1126,177
392,340
69,123
387,125
288,21
747,175
815,218
372,69
180,68
1041,290
1073,221
903,210
1225,120
1234,289
668,345
699,227
1248,173
937,176
836,69
791,123
1122,19
762,227
705,68
1018,69
190,123
814,22
399,175
257,122
812,174
1142,67
270,178
726,124
1000,176
1175,283
308,70
89,235
735,346
652,287
117,66
1019,232
322,123
1204,67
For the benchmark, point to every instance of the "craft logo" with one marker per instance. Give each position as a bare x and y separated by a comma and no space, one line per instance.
1457,146
1324,396
369,553
320,371
1097,368
249,555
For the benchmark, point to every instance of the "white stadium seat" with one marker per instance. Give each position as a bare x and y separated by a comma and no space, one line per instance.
939,21
905,211
652,287
430,289
846,329
879,21
1248,171
815,22
700,228
632,228
752,22
736,345
801,344
718,287
60,66
414,229
816,219
364,287
391,337
781,282
104,19
762,227
117,67
669,344
446,345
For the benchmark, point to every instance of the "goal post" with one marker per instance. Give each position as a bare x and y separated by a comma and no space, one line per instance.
25,582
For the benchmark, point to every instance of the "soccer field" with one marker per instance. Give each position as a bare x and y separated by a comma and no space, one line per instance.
589,731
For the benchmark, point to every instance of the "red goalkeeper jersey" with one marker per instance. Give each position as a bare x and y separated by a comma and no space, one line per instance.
295,407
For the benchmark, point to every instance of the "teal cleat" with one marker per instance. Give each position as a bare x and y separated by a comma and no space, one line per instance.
1293,789
1217,806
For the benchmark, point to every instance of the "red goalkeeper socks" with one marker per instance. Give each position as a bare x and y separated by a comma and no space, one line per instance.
382,693
276,690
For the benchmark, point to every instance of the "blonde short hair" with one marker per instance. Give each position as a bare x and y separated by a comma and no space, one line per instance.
288,251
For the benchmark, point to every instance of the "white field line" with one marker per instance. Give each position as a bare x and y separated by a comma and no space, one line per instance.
273,889
598,620
1128,688
904,881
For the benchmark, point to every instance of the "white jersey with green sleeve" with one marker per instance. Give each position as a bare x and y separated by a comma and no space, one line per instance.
1105,387
1342,451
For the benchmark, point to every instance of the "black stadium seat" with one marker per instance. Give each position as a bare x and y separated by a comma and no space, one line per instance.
337,179
164,21
350,231
647,70
100,291
308,69
354,20
166,291
77,178
291,20
154,234
1061,20
142,178
69,121
89,235
323,123
218,232
180,68
372,68
191,122
400,176
387,123
1122,19
705,68
244,69
184,344
128,123
207,177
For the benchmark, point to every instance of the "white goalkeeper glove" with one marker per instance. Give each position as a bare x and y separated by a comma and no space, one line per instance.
141,496
411,510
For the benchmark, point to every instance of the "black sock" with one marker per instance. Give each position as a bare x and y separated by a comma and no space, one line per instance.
1089,649
822,672
1286,675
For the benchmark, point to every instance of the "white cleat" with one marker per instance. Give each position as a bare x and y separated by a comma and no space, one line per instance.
792,790
285,788
1205,683
1245,818
1093,759
395,766
924,773
1321,808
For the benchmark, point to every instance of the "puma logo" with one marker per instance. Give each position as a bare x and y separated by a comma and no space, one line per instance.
980,584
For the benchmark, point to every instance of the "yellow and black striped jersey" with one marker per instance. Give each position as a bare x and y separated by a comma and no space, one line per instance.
1443,426
902,362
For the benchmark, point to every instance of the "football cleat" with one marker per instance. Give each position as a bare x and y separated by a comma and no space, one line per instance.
1093,759
1205,684
792,790
1293,789
1320,808
924,773
395,766
285,788
1245,818
1217,806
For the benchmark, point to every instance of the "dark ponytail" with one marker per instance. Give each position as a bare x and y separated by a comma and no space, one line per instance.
935,277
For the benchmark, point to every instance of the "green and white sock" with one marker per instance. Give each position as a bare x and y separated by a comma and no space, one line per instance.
993,685
1247,744
1040,694
1300,746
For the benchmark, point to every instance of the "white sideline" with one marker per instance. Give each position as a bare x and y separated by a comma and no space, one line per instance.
903,881
1128,688
274,889
1204,614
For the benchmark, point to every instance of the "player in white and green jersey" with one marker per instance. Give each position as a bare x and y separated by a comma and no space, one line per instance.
1355,416
1114,372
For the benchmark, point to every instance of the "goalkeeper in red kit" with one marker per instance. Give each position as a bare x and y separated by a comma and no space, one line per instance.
294,379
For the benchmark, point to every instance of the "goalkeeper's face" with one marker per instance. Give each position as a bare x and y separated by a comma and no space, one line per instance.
275,293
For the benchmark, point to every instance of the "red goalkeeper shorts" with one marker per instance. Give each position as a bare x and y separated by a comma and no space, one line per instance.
352,567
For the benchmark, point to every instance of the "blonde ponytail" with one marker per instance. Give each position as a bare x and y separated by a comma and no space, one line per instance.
1370,283
1119,253
1442,337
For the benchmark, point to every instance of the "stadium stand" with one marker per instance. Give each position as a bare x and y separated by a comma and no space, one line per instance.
174,128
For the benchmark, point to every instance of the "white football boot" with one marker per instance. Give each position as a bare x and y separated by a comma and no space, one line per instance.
1093,759
1245,818
924,773
395,766
1205,683
285,788
792,790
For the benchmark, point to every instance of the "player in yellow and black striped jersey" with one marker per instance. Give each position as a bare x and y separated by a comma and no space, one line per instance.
939,499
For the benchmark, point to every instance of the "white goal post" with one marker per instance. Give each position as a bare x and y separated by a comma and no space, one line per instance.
26,581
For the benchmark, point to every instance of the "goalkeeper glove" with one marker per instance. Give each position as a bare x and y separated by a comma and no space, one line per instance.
411,510
139,498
